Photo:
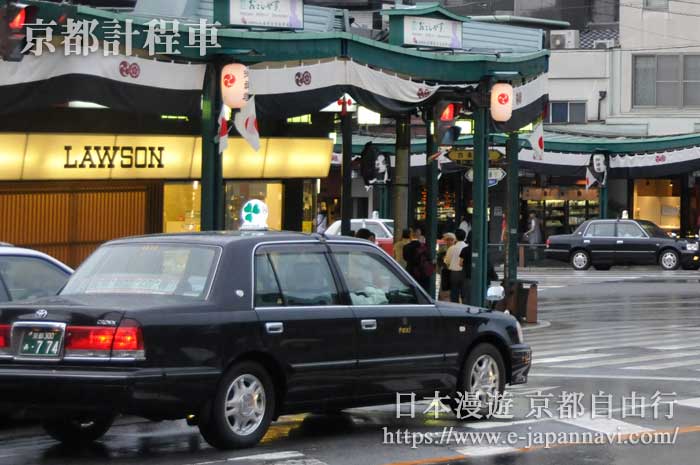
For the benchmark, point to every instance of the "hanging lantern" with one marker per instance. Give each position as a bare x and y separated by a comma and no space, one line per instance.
501,102
234,85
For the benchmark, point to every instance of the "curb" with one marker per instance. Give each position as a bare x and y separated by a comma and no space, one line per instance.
539,325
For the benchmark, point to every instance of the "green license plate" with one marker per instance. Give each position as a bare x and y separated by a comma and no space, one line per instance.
41,343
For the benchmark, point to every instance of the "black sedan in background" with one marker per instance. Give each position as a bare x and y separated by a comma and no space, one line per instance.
231,330
603,243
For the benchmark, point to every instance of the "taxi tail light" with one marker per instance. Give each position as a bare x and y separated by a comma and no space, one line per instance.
4,337
124,341
128,340
547,243
89,341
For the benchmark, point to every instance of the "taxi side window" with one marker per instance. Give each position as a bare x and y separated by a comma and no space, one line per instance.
630,230
601,230
371,282
294,279
267,291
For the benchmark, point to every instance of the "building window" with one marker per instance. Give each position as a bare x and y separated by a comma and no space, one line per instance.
659,5
667,81
566,112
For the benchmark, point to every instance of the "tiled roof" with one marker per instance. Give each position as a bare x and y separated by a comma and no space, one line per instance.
588,37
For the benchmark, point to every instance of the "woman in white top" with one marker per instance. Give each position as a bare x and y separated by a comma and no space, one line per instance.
457,288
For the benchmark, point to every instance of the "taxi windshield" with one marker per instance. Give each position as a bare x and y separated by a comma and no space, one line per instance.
157,269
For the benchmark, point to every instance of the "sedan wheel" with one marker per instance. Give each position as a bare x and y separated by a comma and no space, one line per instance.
483,378
669,260
242,410
580,260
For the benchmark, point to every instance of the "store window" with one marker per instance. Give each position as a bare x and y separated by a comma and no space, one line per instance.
659,201
310,189
566,112
182,207
239,192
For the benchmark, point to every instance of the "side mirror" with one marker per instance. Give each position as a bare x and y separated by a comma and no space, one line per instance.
495,294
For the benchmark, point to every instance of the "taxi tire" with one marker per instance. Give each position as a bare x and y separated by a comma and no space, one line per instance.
79,429
677,262
474,355
583,253
213,424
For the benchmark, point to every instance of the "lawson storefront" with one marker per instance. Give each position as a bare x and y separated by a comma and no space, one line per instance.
66,193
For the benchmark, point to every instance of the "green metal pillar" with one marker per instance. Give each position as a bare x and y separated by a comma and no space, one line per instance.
512,209
210,153
399,188
432,194
346,170
481,197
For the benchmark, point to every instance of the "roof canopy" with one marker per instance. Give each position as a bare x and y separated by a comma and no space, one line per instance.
255,47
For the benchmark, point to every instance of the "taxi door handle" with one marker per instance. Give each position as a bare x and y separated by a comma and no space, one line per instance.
369,325
274,328
619,241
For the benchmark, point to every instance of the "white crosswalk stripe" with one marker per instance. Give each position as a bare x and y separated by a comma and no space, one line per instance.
624,360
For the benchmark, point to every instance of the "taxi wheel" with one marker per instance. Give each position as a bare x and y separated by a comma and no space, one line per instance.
242,409
669,260
483,377
580,260
78,429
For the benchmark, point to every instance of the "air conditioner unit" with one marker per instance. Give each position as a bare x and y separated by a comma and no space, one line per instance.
604,43
564,39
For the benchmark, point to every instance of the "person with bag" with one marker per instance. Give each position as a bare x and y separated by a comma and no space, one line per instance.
418,263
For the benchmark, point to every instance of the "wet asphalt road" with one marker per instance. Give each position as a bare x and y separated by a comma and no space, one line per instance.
609,333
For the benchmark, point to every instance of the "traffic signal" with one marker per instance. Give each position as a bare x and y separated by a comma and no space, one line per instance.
14,18
446,130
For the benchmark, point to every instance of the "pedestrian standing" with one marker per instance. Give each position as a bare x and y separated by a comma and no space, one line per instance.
465,261
398,247
534,234
452,260
322,221
418,262
465,224
449,239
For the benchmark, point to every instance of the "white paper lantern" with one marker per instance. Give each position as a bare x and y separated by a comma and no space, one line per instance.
501,102
234,85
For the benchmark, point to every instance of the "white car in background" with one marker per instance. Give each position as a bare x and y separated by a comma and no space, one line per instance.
27,274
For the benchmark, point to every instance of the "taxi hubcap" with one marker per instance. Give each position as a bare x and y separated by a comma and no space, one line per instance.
245,404
580,260
484,379
669,260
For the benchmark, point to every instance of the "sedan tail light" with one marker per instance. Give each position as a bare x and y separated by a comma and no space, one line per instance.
128,341
546,244
4,338
124,341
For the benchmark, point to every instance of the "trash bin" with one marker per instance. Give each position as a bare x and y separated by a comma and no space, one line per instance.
521,300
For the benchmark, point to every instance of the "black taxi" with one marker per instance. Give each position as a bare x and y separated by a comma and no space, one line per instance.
231,330
603,243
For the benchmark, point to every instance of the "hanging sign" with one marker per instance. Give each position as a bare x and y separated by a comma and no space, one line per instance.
496,175
501,102
234,85
285,14
432,32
